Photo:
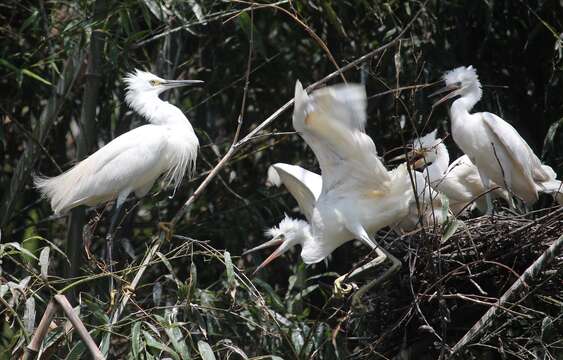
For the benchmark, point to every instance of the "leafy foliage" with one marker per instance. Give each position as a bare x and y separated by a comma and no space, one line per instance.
195,299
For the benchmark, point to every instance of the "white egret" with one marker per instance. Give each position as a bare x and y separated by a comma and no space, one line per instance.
133,161
501,155
459,181
305,186
358,196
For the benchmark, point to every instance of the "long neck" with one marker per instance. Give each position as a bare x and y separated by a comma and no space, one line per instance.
156,111
464,104
439,166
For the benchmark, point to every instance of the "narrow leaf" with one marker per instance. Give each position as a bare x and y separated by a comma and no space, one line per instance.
205,350
44,262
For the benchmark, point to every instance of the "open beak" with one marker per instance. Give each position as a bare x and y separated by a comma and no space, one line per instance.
170,84
277,241
415,158
453,92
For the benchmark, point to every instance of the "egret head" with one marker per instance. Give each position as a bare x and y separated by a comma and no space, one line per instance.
287,234
459,82
425,150
143,82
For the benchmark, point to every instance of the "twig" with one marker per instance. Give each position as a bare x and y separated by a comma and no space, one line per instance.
41,331
280,111
131,289
79,326
35,343
530,273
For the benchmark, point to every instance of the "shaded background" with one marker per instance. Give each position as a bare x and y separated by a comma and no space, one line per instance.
61,98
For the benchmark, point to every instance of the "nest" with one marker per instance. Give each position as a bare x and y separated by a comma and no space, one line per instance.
444,286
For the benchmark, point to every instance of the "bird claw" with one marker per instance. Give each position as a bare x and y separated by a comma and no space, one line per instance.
342,289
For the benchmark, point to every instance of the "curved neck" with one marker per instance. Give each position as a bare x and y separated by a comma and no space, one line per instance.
155,110
466,102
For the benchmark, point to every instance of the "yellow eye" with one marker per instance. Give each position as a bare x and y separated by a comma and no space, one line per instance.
154,82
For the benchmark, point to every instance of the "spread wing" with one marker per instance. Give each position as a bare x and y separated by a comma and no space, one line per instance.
305,186
332,122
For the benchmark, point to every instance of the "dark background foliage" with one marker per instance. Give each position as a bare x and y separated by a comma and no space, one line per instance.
287,309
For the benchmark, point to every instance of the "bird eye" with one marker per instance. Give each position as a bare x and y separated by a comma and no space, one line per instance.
154,82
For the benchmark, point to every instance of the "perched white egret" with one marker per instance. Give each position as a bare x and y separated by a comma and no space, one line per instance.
358,196
133,161
459,181
493,145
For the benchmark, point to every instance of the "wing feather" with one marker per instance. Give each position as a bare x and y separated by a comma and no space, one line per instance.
512,149
128,162
305,186
332,122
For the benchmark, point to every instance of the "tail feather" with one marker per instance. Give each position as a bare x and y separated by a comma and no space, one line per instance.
64,191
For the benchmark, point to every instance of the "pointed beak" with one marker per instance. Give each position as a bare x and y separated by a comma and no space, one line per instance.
401,157
170,84
453,92
277,241
416,159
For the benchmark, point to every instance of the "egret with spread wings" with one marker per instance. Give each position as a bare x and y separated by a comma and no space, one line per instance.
358,195
501,155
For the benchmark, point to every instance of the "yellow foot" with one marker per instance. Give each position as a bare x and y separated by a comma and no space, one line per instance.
167,227
342,289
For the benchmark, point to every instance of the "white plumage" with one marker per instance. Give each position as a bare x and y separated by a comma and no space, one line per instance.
133,161
358,196
501,155
459,181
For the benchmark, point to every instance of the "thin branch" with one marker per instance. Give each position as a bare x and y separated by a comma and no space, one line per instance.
35,344
280,111
79,326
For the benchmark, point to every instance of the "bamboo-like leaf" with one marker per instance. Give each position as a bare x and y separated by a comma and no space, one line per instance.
136,339
205,350
177,340
33,75
153,343
450,226
19,248
44,262
29,315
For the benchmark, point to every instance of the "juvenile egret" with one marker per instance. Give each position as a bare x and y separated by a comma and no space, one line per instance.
133,161
493,145
305,186
358,195
459,181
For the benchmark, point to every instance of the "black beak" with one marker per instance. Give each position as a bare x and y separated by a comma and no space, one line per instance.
178,83
453,92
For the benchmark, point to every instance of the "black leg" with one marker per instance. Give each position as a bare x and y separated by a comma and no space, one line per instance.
109,242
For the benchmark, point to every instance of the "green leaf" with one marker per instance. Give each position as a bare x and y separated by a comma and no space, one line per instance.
77,352
205,350
450,228
36,77
44,262
230,269
136,339
153,343
18,248
549,141
177,340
